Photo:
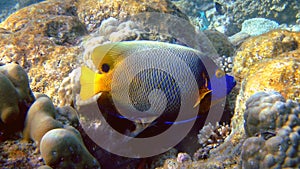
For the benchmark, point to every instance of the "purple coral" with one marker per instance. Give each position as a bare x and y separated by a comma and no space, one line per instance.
275,139
266,111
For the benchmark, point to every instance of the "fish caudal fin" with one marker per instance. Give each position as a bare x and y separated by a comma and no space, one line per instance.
87,83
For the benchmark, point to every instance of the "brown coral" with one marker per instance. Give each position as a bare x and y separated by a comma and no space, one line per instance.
43,38
266,63
275,44
64,148
92,12
40,119
15,97
280,74
275,123
31,41
9,110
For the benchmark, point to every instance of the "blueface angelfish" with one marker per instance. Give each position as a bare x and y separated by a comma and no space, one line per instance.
108,57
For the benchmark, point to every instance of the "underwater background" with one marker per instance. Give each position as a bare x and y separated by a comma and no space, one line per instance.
44,44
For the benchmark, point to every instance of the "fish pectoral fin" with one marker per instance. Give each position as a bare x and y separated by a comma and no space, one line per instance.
202,93
87,83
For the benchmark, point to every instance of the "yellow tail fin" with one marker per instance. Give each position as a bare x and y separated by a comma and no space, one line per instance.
87,83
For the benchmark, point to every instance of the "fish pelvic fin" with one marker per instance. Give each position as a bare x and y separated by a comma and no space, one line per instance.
202,93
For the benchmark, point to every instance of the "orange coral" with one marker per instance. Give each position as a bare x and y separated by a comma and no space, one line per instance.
274,44
281,74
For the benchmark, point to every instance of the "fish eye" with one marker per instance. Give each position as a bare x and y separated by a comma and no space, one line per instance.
105,67
219,73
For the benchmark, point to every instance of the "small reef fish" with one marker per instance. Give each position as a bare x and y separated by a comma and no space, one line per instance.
218,8
203,21
108,57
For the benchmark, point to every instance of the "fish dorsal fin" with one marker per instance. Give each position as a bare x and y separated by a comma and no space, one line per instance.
109,53
105,53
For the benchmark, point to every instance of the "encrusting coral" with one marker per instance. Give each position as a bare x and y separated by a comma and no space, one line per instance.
9,101
273,125
268,46
267,111
278,10
64,148
15,97
278,51
40,119
17,75
67,115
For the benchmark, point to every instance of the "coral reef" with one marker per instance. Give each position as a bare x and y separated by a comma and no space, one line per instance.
224,48
92,12
159,160
277,51
277,43
40,119
19,78
220,42
43,38
17,154
275,123
183,161
277,10
238,38
266,112
15,97
64,148
226,63
258,26
284,78
8,7
67,115
30,40
193,8
9,101
210,137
